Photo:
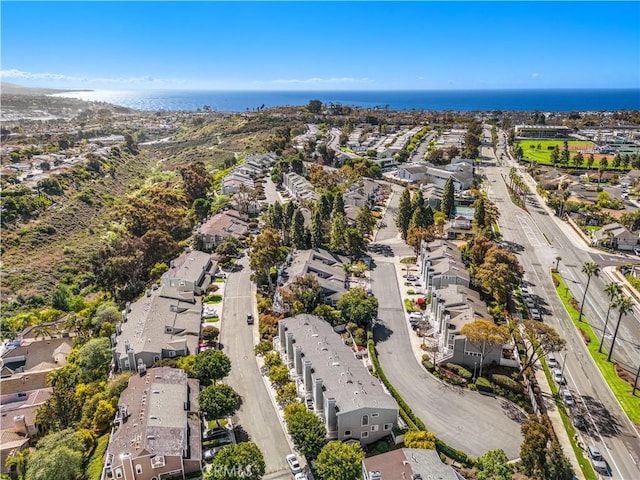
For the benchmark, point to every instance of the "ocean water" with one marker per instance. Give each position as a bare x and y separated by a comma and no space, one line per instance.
451,100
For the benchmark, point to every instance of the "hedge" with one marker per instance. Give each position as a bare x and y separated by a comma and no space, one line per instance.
459,370
484,385
451,452
405,411
96,460
507,383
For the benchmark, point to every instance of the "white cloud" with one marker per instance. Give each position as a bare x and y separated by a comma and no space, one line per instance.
420,78
320,81
535,75
58,77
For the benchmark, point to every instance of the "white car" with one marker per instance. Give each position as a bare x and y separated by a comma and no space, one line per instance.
567,398
558,377
534,313
293,463
551,361
530,303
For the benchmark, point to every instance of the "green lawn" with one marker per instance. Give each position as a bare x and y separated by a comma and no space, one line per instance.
621,389
542,156
585,464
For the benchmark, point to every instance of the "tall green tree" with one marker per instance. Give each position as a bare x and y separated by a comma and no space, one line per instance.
317,229
403,217
338,227
479,214
340,461
242,461
211,365
354,243
338,205
624,305
218,401
358,307
365,220
494,465
542,339
307,432
613,290
448,199
590,269
485,336
94,359
298,237
61,463
534,447
326,205
266,253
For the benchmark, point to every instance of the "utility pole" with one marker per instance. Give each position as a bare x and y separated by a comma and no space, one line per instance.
635,382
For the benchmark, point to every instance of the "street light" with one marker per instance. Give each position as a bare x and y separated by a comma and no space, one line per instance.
564,363
475,364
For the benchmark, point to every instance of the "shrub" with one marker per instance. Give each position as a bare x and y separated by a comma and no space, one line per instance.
459,370
420,439
263,347
507,383
213,298
451,452
408,305
213,288
484,385
427,363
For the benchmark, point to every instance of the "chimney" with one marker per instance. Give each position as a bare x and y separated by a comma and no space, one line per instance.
318,401
289,349
307,376
124,315
282,328
375,475
330,415
20,424
297,359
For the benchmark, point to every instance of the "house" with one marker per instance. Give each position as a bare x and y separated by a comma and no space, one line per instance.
408,464
327,267
229,223
28,361
413,172
236,179
352,403
18,421
298,186
459,226
164,323
442,266
191,272
615,236
157,430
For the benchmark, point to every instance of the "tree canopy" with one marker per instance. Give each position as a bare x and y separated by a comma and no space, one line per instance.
358,307
340,461
211,365
242,461
218,401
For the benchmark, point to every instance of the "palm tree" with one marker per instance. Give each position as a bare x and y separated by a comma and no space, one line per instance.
624,306
613,290
41,331
589,269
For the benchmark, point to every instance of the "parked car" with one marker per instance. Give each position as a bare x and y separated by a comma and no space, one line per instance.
209,453
551,361
249,319
293,463
567,398
212,433
578,422
558,377
301,476
529,303
534,313
597,461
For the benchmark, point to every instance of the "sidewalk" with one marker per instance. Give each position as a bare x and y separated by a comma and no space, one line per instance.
552,412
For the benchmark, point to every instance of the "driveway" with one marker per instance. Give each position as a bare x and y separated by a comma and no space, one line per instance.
466,420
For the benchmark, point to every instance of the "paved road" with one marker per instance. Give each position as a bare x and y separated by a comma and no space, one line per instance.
538,238
466,420
256,415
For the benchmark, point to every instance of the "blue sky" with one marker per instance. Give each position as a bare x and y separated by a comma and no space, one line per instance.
321,45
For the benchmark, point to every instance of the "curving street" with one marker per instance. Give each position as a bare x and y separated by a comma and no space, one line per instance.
466,420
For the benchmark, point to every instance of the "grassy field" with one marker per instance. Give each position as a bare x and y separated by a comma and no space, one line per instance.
621,389
542,155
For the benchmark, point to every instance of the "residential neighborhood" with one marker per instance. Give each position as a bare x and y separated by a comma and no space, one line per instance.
416,297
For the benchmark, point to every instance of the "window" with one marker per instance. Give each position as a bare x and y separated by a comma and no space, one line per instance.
138,468
375,415
364,435
172,353
347,433
365,420
118,473
388,426
374,428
